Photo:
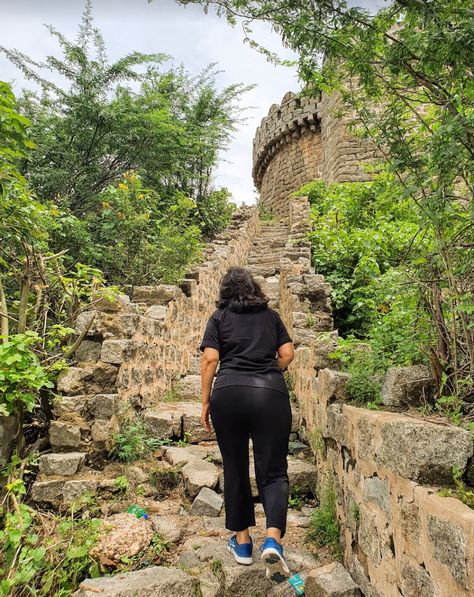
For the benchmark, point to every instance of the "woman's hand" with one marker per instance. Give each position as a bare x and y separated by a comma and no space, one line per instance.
205,417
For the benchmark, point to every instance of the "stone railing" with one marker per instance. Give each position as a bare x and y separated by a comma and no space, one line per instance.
399,536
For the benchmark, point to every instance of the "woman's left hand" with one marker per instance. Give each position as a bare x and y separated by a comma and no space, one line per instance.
205,417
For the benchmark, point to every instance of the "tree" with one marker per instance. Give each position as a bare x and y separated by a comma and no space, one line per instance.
415,58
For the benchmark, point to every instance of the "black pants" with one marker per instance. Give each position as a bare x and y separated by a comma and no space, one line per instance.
239,413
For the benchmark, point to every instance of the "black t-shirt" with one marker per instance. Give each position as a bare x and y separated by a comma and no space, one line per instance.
247,344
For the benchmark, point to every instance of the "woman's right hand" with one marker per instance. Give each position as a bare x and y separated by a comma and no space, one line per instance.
205,416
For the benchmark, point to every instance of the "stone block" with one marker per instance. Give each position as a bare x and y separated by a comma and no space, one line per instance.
429,452
369,539
188,388
70,407
331,580
337,425
162,424
193,428
198,474
75,489
64,436
114,351
88,351
407,386
170,527
73,380
156,295
47,491
377,491
157,312
103,431
449,546
61,464
103,406
149,582
416,581
207,503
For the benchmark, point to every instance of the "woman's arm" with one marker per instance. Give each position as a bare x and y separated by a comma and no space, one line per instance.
286,353
209,361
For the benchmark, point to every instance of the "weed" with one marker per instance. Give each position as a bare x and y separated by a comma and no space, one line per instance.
460,491
165,479
355,512
296,499
217,568
324,527
265,214
170,396
121,483
316,441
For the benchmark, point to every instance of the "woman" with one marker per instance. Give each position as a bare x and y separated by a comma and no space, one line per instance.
249,399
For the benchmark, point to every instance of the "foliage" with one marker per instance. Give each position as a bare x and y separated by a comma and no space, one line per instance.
137,240
132,441
324,527
111,118
21,375
43,554
461,492
414,58
296,499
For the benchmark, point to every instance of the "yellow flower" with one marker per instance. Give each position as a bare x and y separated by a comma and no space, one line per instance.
105,205
123,187
140,195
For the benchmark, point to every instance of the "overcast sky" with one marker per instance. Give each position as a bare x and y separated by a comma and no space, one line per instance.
186,33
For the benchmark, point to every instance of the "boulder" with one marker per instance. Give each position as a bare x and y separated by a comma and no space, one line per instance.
64,436
61,464
408,386
198,474
103,431
114,351
193,428
331,580
72,380
161,294
170,528
149,582
207,503
178,456
70,407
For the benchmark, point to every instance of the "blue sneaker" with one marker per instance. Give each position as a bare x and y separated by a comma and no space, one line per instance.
272,555
242,552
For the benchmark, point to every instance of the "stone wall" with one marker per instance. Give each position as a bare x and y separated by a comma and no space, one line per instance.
400,538
136,348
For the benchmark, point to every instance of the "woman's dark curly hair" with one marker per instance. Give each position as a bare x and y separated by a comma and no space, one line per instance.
240,292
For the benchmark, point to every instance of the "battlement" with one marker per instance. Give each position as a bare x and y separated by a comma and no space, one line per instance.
291,119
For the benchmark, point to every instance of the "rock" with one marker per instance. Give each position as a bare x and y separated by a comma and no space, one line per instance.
198,474
188,388
70,407
122,536
178,456
207,503
193,428
415,580
61,464
47,491
156,295
170,528
246,581
64,436
449,546
75,489
113,304
209,584
88,351
377,490
103,406
331,580
71,380
103,431
156,312
149,582
302,475
136,475
8,430
408,386
103,379
429,452
295,447
294,520
114,351
162,424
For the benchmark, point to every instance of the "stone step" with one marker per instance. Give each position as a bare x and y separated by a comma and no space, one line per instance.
177,420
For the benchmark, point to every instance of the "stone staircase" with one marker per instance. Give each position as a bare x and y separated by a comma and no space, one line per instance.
181,486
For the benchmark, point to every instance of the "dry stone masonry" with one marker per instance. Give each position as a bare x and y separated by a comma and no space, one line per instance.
399,537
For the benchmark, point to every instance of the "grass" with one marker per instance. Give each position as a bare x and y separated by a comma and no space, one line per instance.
324,527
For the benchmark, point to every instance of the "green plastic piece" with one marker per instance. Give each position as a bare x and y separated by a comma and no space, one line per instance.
297,583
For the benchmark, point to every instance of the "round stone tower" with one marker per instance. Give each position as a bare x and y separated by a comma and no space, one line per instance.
286,151
303,139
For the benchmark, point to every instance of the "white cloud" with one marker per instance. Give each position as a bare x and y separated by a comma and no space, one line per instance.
187,34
